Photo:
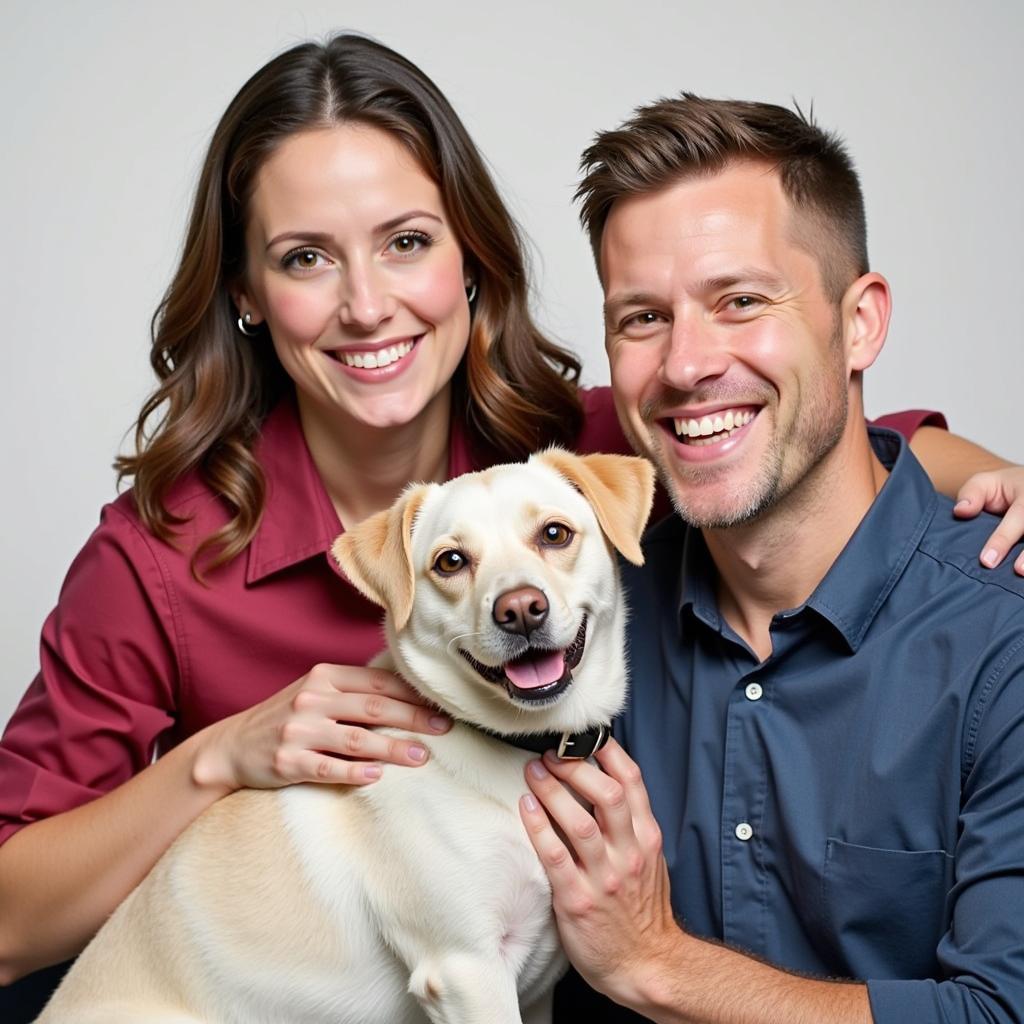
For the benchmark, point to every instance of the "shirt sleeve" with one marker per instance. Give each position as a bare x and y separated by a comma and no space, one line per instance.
105,688
910,421
981,953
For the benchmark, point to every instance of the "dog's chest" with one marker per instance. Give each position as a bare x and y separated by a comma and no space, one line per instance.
438,854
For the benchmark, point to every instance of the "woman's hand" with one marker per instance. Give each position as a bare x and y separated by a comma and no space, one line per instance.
1000,491
316,730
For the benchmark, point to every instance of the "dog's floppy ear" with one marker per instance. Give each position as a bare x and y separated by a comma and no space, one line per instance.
619,487
376,555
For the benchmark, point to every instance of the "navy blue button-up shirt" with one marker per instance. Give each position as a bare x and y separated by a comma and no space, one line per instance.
853,806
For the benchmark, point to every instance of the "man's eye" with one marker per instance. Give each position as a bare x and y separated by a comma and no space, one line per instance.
449,562
556,535
639,322
744,303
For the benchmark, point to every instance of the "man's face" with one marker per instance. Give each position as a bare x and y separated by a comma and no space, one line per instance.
726,356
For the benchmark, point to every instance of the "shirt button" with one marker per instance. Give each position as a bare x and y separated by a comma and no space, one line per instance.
754,691
744,831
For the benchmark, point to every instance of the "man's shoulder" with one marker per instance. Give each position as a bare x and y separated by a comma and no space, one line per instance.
956,544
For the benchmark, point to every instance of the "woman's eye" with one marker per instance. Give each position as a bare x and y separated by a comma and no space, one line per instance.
556,535
450,562
304,259
409,242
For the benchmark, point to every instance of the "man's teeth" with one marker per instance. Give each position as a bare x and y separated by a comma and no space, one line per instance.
705,431
375,360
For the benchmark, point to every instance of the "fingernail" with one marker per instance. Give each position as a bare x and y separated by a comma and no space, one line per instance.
371,771
962,504
417,753
990,557
439,723
530,802
537,770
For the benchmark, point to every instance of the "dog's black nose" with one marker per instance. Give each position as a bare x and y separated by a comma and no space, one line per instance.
520,611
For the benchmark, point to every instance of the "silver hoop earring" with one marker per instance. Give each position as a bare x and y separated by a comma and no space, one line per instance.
471,292
245,325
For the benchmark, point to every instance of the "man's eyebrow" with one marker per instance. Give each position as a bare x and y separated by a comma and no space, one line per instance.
616,302
745,275
324,237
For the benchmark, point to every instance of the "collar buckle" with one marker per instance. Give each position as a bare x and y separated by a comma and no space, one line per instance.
578,746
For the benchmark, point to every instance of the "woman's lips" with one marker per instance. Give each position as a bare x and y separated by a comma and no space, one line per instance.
380,362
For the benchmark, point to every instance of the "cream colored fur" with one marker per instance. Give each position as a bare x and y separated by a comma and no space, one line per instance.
418,897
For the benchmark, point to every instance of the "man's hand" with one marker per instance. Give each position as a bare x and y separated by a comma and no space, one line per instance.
1000,491
609,880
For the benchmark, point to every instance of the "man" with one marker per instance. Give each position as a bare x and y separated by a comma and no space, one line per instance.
828,690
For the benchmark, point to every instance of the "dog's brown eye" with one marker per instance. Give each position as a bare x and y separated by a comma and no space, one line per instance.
450,562
556,535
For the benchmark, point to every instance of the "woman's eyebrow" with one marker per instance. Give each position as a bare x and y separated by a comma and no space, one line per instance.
322,237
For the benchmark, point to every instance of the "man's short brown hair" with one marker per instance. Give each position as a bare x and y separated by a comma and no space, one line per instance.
675,139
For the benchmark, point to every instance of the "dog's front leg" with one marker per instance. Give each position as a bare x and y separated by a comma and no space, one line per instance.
460,988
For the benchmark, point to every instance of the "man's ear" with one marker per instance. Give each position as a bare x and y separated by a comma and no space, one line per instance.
620,488
376,555
866,308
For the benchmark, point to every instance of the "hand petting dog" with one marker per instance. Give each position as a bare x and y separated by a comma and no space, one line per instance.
609,881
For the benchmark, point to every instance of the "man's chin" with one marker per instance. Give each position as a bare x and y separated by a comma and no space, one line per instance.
712,497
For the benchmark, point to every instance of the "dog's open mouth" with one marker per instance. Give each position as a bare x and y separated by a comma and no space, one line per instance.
538,674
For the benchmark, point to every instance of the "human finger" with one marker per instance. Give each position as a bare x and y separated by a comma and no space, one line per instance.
361,679
1004,536
374,709
554,855
604,792
294,765
342,739
578,825
617,763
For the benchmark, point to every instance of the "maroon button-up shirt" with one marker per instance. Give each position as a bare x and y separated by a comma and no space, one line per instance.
138,655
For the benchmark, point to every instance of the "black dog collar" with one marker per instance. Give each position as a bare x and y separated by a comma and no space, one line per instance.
570,746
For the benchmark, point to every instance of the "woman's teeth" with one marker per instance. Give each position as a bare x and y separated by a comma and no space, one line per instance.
712,429
375,360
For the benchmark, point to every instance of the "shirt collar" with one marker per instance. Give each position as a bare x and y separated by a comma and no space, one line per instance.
299,520
866,570
875,557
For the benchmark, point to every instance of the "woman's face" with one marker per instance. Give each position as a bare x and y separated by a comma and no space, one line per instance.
354,268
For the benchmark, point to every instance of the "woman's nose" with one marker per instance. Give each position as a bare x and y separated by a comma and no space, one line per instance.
366,298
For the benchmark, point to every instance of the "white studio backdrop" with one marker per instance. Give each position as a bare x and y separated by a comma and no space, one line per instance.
109,106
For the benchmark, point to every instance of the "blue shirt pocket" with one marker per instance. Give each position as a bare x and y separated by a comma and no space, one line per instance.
886,910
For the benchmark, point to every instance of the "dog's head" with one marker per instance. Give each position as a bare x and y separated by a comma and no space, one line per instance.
502,597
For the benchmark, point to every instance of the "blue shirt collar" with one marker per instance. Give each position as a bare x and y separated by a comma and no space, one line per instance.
868,567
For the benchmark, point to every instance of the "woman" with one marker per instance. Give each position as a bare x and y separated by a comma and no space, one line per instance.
350,313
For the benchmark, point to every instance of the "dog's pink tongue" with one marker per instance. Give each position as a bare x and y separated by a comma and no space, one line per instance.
539,671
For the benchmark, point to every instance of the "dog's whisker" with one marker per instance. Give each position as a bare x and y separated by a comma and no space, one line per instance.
457,638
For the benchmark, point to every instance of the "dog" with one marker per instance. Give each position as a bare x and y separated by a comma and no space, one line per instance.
418,897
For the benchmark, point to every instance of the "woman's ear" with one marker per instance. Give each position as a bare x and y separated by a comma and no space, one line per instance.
866,308
244,303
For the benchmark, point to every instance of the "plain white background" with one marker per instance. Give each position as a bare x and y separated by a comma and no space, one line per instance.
109,105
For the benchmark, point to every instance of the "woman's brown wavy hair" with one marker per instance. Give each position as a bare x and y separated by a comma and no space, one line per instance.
515,389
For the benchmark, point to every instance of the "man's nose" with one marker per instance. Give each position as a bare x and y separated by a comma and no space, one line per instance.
696,353
366,298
